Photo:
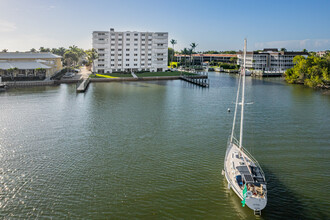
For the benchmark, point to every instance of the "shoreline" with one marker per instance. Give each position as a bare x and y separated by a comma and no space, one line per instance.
20,84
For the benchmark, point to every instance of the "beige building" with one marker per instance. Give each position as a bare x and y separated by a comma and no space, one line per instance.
24,65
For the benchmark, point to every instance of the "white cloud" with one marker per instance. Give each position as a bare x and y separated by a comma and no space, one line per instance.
6,26
309,44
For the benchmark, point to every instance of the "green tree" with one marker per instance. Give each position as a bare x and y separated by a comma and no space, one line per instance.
70,58
170,56
42,49
4,50
283,49
173,42
33,50
91,56
185,52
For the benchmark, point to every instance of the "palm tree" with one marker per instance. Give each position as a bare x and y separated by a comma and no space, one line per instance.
193,46
173,42
91,56
185,52
33,50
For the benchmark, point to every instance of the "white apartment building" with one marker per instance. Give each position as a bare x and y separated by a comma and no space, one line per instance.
270,59
130,51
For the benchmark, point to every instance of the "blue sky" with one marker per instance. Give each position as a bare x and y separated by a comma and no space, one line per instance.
213,24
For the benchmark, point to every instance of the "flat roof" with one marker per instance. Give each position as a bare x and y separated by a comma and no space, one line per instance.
26,55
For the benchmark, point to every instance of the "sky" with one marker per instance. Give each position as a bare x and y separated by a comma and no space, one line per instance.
212,24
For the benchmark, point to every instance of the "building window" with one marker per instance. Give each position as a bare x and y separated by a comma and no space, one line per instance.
135,64
112,49
100,65
143,54
101,38
101,33
119,54
135,39
128,34
119,49
101,54
119,64
119,59
101,49
112,59
143,34
143,39
135,34
112,64
149,54
127,44
135,44
127,49
159,59
100,60
127,59
135,54
112,54
127,54
149,59
120,45
128,39
160,45
112,44
120,39
127,64
142,44
160,54
160,34
135,59
135,49
142,60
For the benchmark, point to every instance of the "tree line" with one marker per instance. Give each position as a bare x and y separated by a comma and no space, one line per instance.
313,71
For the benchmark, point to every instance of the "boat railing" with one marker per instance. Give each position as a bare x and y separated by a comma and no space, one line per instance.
235,141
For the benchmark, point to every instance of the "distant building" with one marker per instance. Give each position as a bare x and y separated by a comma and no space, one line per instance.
28,64
321,53
198,59
130,51
270,59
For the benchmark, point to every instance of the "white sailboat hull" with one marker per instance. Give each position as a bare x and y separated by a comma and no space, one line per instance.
254,202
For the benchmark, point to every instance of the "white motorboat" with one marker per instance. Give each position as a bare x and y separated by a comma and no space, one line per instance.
242,172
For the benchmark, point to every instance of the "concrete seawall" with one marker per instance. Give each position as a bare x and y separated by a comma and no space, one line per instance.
121,79
71,81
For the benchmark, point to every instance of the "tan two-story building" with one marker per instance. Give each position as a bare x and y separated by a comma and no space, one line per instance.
29,65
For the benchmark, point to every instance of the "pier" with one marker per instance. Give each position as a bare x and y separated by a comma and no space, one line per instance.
82,84
199,80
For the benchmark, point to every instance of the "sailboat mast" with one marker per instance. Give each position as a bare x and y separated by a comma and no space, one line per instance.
243,94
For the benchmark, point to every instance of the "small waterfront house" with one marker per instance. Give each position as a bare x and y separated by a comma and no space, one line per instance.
28,65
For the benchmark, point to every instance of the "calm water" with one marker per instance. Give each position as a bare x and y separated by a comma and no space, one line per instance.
155,150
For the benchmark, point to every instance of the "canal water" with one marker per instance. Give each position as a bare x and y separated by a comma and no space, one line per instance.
155,150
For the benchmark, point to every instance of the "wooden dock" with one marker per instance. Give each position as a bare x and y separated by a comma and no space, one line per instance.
82,84
199,80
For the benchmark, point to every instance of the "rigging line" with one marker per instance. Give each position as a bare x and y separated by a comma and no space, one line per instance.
236,104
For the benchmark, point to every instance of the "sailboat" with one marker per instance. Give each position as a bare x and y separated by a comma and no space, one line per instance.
241,170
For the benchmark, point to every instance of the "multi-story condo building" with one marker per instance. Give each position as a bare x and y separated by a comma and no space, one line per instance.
270,59
198,59
130,51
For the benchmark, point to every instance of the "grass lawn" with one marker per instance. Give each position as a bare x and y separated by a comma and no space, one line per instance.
110,75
